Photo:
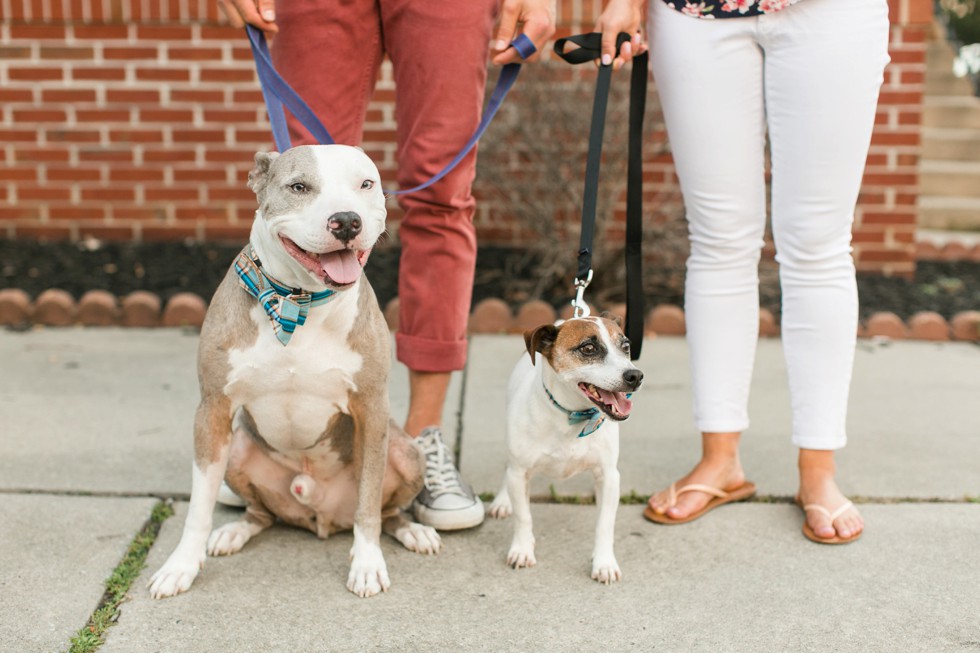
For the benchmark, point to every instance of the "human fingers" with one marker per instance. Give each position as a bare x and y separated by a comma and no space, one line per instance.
538,17
260,13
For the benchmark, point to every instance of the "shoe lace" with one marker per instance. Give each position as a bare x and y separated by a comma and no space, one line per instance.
441,475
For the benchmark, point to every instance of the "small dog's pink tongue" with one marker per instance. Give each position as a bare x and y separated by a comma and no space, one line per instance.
617,399
341,266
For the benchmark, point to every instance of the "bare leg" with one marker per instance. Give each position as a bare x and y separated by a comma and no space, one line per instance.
426,397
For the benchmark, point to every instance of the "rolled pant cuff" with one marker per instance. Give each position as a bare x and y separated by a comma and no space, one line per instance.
425,355
736,426
821,444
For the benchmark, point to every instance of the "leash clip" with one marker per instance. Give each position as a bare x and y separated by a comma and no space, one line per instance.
581,308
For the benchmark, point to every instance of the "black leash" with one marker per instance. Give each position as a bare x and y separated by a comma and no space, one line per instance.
588,50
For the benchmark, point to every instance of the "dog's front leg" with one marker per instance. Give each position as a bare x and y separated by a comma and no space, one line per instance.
604,566
521,552
212,439
368,571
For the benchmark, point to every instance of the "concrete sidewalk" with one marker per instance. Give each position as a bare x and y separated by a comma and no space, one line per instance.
96,424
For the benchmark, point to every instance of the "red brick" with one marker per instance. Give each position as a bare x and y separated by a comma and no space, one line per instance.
166,115
491,316
45,192
198,96
100,32
71,136
132,96
34,74
142,173
886,324
15,307
227,75
98,308
533,314
966,326
955,251
108,194
224,33
666,319
163,74
54,173
18,174
75,213
129,53
106,154
67,96
171,194
162,33
136,136
54,308
200,175
79,73
927,325
168,155
40,154
222,232
768,327
14,52
141,309
37,31
65,52
16,95
229,115
199,136
194,54
185,309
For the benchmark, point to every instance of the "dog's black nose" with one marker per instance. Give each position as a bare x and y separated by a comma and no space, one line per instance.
344,225
633,378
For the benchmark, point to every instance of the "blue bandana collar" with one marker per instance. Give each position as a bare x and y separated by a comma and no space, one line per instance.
593,417
286,307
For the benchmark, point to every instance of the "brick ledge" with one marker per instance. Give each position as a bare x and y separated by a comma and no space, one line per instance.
144,309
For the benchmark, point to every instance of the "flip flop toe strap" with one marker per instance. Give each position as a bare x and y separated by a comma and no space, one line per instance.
829,515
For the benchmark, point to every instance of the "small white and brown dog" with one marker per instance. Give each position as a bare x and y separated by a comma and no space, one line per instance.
564,404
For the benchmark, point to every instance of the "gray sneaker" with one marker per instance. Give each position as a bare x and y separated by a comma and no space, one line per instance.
446,503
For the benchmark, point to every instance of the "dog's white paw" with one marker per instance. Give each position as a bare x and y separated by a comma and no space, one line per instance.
368,573
521,555
419,538
501,507
605,570
175,576
229,538
302,488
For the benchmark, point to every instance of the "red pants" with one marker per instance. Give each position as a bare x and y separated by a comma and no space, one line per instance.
330,52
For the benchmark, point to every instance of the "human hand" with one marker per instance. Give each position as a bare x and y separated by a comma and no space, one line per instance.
538,17
261,13
621,16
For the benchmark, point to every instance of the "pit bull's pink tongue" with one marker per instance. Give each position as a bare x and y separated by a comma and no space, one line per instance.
617,399
341,266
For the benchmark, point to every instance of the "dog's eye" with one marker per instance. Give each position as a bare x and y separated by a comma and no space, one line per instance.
588,349
298,187
625,346
367,184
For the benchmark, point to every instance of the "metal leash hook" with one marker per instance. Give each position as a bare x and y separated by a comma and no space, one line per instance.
581,308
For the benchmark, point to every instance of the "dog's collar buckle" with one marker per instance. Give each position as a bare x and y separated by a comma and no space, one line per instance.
286,307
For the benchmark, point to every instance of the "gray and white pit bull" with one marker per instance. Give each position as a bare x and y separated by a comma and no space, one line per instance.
301,431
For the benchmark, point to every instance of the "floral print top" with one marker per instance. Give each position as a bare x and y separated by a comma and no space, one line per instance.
728,8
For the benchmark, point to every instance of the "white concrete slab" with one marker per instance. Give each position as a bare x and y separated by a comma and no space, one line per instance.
112,410
743,579
914,421
57,553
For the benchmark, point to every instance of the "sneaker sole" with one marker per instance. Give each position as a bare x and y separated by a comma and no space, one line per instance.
450,520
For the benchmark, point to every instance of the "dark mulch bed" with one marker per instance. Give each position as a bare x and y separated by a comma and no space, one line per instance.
169,268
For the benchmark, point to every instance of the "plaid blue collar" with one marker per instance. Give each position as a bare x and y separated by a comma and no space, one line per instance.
593,417
286,307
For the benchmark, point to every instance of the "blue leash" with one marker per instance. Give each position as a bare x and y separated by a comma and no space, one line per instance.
279,95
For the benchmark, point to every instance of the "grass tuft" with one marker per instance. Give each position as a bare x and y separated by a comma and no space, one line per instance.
91,636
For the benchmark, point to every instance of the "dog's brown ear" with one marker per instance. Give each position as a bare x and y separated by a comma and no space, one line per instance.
540,340
612,317
259,176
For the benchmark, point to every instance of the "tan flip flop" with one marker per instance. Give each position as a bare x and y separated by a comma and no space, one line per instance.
719,498
812,536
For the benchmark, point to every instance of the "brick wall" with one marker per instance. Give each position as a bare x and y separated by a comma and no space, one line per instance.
138,120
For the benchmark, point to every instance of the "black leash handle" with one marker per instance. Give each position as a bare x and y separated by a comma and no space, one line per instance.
589,49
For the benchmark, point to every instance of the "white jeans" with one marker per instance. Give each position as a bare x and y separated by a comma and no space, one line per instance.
811,73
